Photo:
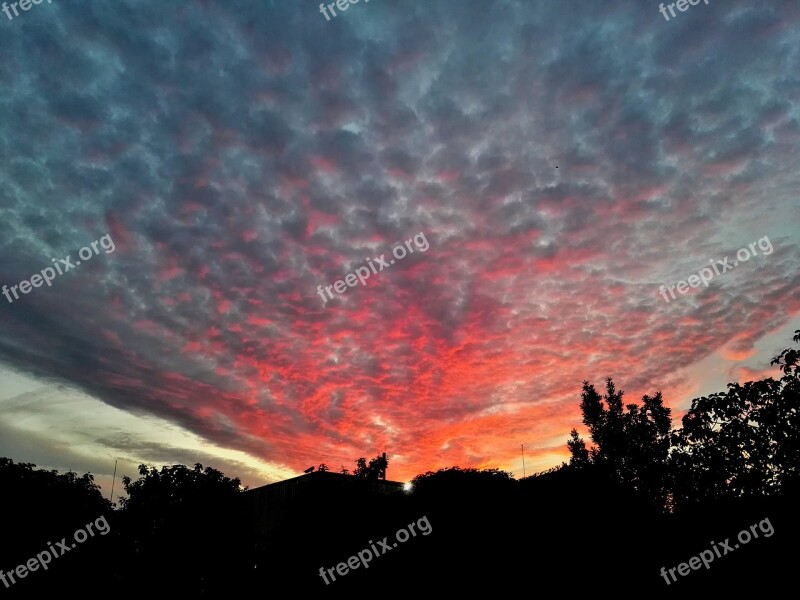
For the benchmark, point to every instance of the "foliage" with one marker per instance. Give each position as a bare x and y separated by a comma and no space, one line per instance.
189,518
456,479
632,444
376,469
177,486
23,484
741,443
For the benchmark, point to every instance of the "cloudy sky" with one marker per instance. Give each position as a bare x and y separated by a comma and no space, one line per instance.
562,159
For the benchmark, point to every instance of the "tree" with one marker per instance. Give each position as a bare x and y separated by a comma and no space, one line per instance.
361,469
191,519
177,486
41,506
445,485
376,469
632,444
744,442
789,360
577,448
23,484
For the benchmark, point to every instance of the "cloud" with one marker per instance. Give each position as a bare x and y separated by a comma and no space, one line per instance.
240,155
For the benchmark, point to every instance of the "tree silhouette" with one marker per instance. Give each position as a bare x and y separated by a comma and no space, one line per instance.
23,484
789,360
743,442
457,479
187,518
41,506
632,444
361,469
376,469
577,449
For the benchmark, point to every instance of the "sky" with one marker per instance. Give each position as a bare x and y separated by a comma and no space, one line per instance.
551,164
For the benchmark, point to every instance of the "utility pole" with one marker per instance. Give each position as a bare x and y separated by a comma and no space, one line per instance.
113,481
523,459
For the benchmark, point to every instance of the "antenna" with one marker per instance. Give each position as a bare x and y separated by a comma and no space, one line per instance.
523,459
113,481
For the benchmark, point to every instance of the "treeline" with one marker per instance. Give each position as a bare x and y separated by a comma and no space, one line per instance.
735,445
638,496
